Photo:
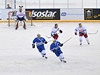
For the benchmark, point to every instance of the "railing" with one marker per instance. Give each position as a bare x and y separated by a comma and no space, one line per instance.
51,3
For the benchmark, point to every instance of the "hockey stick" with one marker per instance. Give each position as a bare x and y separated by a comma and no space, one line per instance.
48,36
49,40
94,32
67,40
63,42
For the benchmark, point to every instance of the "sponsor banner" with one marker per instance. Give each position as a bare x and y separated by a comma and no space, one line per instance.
91,14
72,14
44,14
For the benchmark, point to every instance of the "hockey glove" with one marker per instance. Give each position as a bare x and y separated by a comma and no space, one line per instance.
75,33
46,42
61,45
54,50
33,46
60,31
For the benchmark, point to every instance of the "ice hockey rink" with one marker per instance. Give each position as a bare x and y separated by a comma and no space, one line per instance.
17,57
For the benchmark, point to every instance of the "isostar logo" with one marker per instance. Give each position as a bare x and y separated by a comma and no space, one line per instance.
46,13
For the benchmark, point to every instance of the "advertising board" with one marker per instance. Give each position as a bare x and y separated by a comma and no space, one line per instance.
44,14
91,14
72,14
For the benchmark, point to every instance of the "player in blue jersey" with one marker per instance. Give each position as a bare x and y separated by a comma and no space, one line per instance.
55,48
20,16
40,41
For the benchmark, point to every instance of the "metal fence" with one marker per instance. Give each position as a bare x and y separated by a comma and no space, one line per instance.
50,3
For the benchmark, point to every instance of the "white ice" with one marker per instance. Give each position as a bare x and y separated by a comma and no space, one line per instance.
17,57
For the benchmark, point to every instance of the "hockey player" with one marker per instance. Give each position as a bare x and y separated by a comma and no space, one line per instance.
55,48
82,32
20,16
40,41
54,31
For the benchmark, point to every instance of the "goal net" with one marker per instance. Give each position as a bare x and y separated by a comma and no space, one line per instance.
12,18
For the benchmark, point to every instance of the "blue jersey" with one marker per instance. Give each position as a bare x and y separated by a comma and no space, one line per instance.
56,46
39,43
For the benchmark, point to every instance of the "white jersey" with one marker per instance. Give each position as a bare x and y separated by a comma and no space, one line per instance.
81,29
54,31
20,14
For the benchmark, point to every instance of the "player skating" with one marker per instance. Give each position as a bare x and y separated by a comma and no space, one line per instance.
40,41
54,31
55,48
82,32
20,16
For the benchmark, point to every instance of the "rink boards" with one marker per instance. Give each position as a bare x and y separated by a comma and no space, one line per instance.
6,21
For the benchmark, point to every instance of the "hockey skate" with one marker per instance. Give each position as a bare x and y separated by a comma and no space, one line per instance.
45,57
16,28
63,61
80,43
88,43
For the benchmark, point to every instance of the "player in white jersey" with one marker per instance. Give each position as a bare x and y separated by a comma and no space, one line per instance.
54,31
20,16
82,32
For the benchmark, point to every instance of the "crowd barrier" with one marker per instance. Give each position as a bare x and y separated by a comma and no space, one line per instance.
53,15
6,21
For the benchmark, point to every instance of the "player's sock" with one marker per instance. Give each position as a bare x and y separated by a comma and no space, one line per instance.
16,26
24,26
87,40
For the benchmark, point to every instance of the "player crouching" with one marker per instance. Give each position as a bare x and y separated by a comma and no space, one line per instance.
20,16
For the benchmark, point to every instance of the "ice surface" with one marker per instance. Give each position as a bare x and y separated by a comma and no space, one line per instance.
18,58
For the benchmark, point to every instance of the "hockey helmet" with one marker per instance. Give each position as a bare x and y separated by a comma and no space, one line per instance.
80,24
38,35
56,25
54,41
